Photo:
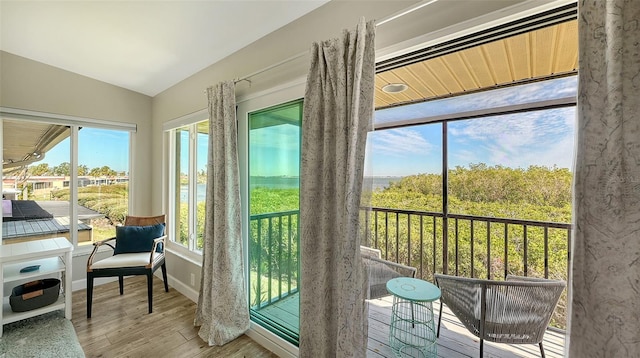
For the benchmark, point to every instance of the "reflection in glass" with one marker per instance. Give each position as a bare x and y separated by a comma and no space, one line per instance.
202,148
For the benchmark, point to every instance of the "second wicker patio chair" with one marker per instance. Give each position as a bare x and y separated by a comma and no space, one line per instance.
380,271
514,311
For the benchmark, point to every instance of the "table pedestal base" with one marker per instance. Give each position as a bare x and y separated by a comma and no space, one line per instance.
412,332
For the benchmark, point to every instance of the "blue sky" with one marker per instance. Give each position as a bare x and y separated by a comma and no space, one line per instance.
96,148
542,138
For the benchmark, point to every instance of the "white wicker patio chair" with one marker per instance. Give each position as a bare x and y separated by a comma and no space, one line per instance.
514,311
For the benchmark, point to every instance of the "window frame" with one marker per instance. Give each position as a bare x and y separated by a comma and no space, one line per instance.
190,121
75,124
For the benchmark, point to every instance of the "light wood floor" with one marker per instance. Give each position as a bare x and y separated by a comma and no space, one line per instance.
121,327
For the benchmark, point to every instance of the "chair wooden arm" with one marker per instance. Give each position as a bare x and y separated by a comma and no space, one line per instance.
96,246
156,241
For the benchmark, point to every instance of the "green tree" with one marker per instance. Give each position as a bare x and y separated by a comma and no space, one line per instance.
64,169
105,171
40,169
83,170
94,172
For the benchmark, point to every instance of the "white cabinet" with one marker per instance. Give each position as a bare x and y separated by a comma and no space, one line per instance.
54,258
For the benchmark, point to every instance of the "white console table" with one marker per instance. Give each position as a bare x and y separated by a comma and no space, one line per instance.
53,256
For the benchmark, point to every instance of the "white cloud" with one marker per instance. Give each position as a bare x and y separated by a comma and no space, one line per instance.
399,142
466,156
559,153
516,140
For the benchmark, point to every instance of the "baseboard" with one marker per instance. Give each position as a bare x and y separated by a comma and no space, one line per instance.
179,286
82,284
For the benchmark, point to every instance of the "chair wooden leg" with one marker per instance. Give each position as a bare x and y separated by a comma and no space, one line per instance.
121,282
541,350
164,277
89,293
150,290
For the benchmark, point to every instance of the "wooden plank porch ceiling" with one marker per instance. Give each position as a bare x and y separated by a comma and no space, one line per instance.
543,53
454,342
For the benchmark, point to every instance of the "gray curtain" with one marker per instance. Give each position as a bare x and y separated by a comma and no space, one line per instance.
338,110
222,311
605,316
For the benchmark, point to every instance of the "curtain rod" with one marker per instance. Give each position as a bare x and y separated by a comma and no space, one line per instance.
383,21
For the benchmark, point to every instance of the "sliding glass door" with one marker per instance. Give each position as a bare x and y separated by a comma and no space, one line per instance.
274,182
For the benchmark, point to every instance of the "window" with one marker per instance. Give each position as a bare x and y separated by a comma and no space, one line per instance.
103,181
38,179
188,178
274,211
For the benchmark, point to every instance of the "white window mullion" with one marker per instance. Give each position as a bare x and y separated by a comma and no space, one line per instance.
73,187
173,180
193,183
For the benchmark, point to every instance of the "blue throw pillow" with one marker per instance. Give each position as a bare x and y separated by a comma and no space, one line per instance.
130,239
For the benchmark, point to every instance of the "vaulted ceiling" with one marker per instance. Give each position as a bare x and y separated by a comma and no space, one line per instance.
144,46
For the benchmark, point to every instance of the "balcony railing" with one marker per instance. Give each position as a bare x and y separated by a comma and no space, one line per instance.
498,246
274,256
470,246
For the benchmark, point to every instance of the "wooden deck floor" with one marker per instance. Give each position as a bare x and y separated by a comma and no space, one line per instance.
454,342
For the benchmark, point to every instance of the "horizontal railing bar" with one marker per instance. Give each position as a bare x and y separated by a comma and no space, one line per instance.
549,224
554,225
273,215
403,211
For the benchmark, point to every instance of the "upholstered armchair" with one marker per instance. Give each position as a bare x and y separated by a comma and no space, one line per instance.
138,249
514,311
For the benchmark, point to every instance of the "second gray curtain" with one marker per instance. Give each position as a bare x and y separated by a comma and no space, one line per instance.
338,109
222,311
605,311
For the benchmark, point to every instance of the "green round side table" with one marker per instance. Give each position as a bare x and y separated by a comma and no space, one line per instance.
412,332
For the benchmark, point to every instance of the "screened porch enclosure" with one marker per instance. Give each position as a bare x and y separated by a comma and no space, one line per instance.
469,219
469,171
